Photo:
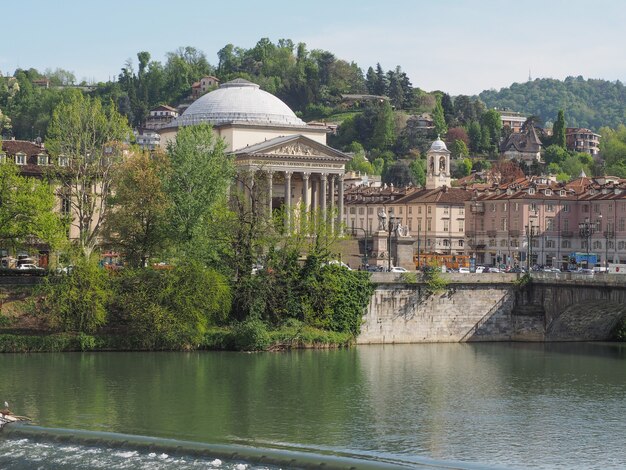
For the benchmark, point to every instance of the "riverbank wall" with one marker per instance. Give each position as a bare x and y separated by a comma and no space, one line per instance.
482,308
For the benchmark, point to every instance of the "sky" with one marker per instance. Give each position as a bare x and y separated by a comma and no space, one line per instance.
457,46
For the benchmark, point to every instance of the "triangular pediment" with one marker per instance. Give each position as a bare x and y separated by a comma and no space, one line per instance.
294,146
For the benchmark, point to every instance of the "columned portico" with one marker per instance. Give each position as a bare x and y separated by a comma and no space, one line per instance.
309,169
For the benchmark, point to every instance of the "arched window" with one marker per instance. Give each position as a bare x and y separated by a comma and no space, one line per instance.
597,245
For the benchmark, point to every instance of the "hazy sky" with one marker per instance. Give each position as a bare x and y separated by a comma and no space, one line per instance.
451,45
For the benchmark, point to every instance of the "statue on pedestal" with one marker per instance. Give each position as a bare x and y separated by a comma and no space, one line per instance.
382,219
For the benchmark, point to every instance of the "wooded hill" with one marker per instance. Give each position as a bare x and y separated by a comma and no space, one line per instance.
588,103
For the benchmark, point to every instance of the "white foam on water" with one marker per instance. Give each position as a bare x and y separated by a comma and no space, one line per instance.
216,463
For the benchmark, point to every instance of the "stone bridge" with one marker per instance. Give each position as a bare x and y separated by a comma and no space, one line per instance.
494,307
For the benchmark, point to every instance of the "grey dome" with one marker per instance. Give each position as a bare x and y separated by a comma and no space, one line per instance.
438,145
242,102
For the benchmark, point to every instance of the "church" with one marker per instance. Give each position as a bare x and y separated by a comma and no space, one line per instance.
270,141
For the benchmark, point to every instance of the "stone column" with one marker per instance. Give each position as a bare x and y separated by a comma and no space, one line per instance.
340,204
288,199
270,182
332,202
323,187
304,216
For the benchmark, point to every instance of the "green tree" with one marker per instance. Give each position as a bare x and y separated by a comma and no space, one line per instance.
196,184
136,224
474,132
555,154
459,149
558,130
92,138
492,126
383,135
439,120
27,209
359,162
418,170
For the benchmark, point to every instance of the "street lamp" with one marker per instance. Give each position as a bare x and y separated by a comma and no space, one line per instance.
586,229
607,234
530,234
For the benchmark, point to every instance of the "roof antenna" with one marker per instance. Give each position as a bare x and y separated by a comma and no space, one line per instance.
530,78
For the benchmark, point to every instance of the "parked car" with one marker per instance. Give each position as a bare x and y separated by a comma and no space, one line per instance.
464,270
29,266
492,269
399,269
480,269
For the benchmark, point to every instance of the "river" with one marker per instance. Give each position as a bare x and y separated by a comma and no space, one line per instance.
489,405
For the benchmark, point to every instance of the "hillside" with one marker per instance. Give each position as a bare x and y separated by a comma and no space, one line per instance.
588,103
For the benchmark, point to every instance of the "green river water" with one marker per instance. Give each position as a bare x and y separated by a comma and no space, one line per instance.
496,405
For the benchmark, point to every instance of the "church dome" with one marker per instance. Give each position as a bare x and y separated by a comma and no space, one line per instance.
239,102
438,145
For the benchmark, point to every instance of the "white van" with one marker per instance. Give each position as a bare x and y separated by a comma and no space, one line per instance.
617,268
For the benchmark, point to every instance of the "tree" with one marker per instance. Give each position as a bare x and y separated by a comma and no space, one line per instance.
555,154
196,184
459,149
418,169
439,121
359,162
506,171
474,134
448,108
383,135
558,130
136,225
92,138
27,210
492,126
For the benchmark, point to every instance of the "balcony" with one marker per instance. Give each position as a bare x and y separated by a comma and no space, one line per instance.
567,234
492,233
514,233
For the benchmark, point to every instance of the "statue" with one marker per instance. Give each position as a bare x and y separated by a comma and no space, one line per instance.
382,219
403,230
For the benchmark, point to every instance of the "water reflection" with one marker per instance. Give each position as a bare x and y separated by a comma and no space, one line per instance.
524,405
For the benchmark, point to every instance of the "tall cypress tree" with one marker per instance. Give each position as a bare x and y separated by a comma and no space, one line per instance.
558,130
438,119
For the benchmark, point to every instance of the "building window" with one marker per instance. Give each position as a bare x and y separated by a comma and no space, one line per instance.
585,208
550,224
550,207
565,207
20,159
419,210
370,210
516,207
503,223
504,207
428,224
42,160
596,208
503,243
531,190
566,224
401,209
493,207
535,243
461,226
429,210
361,211
566,244
446,225
462,211
621,245
549,243
514,243
446,210
492,242
622,224
610,245
533,207
597,245
353,210
410,209
65,205
461,243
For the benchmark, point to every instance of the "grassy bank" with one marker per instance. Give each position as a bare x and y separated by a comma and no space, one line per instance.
224,339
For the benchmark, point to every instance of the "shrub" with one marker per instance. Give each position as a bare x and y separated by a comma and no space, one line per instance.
77,302
251,335
171,309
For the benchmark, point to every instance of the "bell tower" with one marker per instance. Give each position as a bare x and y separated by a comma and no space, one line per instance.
437,165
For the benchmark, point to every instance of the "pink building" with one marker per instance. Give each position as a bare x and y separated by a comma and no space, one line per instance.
540,219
